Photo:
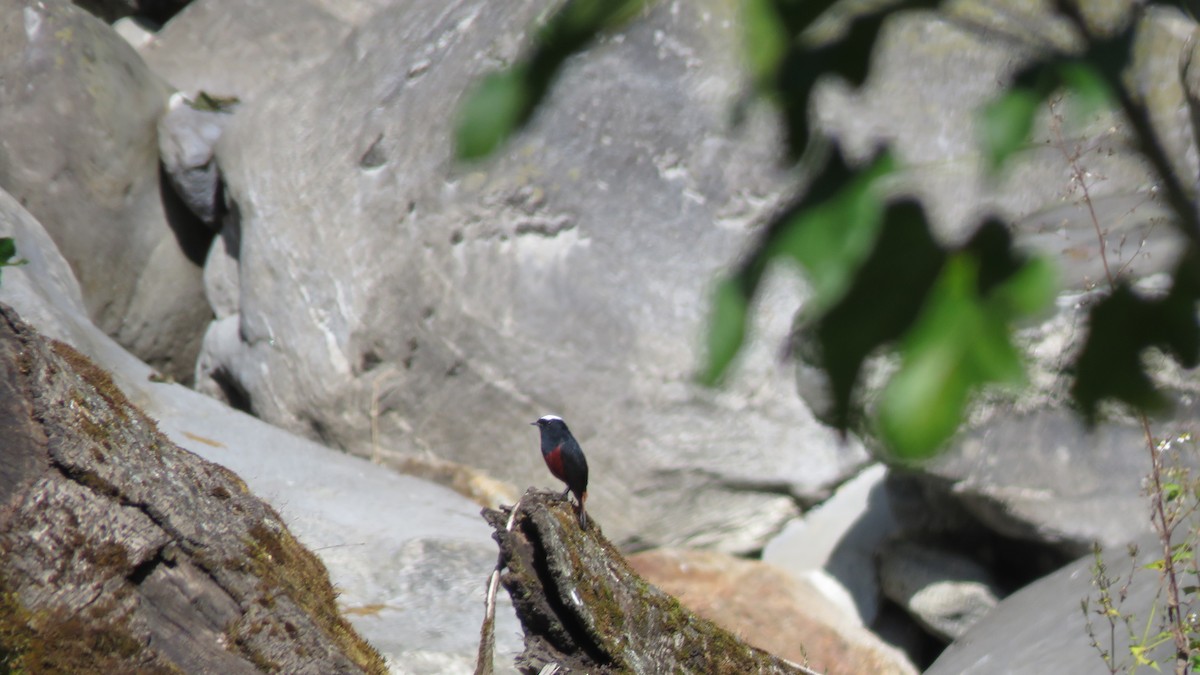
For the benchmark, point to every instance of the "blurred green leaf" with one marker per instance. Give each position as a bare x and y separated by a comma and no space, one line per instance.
828,231
581,20
830,239
960,342
1030,290
961,339
726,328
1123,325
8,250
493,111
1089,89
1110,364
787,59
766,40
1006,123
503,102
881,303
1171,491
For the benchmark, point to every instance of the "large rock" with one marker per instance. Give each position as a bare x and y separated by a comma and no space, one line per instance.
770,610
835,545
125,552
1041,629
944,591
569,275
260,45
392,543
80,152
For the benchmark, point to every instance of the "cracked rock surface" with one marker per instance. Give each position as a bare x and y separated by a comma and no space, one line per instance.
124,552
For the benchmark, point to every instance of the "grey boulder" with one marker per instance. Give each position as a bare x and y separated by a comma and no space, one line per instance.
1041,628
80,152
945,592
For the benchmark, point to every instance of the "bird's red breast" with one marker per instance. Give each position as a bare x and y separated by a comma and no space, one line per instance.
555,463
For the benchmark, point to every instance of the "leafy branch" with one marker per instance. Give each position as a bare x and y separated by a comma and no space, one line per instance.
881,281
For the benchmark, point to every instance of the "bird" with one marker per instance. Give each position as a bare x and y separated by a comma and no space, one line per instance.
565,459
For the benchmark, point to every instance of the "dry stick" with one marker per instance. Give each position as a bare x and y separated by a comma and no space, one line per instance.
1177,197
487,632
1080,178
1163,528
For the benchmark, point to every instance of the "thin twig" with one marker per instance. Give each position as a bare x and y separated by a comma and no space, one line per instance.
487,632
1163,526
1079,176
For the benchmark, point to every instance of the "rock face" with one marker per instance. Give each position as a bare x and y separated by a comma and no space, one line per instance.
945,592
262,45
1041,629
372,284
841,537
124,552
80,152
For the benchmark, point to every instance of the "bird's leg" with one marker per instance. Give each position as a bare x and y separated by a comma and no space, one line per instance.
565,493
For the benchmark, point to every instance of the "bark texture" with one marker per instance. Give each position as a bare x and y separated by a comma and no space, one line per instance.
122,552
584,609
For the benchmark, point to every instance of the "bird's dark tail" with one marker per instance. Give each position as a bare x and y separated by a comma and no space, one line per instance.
582,512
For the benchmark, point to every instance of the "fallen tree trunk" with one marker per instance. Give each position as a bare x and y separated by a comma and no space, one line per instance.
583,608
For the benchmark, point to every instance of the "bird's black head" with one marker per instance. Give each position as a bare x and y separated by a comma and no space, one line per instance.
554,429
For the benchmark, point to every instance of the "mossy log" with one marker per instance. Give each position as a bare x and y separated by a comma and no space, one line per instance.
584,609
121,552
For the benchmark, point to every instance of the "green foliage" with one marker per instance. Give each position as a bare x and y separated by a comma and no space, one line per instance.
1007,121
499,106
788,53
881,303
828,232
1123,326
1147,639
504,101
727,328
830,238
959,342
8,251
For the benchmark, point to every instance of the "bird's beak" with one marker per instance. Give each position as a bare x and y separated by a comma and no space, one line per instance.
533,423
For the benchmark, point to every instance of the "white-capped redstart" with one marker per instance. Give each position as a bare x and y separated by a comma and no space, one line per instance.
565,459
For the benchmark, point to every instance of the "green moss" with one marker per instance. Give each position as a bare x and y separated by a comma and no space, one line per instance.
108,556
235,634
59,641
286,566
16,635
93,481
97,377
